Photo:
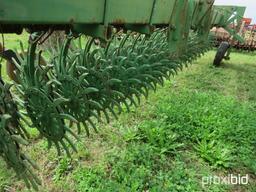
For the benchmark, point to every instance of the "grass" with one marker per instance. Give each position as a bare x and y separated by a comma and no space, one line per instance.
201,123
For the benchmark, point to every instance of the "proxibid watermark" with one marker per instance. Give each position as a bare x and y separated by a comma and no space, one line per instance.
231,179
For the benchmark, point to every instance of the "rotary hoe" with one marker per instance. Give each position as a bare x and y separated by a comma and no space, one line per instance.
114,53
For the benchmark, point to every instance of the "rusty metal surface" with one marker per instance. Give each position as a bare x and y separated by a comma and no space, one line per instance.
249,36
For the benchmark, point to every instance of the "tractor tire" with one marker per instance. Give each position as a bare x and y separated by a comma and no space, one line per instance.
221,52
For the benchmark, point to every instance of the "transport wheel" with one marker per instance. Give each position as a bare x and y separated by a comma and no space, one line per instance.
221,52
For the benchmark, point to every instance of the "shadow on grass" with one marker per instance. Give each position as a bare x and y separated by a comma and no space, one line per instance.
246,68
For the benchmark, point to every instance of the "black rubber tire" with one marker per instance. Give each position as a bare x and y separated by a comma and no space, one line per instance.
221,52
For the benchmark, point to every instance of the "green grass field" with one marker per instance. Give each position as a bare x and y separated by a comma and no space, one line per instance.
201,123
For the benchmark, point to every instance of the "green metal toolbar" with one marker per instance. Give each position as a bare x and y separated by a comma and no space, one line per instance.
133,46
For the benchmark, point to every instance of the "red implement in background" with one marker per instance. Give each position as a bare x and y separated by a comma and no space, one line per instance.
247,21
247,31
254,27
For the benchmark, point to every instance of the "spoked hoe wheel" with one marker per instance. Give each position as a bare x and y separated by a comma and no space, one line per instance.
222,53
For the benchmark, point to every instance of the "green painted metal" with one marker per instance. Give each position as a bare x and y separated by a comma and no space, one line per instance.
52,11
105,11
203,20
235,35
86,11
128,12
177,27
189,14
225,15
202,10
94,17
162,11
81,83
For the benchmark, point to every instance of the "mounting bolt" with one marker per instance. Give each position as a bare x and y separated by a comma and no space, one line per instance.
172,27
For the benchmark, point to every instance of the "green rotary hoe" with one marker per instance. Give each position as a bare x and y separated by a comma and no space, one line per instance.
114,53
